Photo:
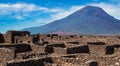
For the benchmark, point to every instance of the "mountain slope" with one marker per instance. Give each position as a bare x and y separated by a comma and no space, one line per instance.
88,20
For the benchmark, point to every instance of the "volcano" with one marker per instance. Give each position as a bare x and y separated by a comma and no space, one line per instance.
88,20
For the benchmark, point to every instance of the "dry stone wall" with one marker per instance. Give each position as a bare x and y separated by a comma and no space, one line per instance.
19,48
6,54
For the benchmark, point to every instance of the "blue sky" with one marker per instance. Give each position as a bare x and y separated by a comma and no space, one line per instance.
19,14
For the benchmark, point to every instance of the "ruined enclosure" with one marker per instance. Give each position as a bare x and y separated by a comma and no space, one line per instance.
97,47
111,49
19,48
50,48
79,49
9,37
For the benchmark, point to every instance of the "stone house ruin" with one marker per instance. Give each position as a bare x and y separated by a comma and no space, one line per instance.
12,36
19,48
97,47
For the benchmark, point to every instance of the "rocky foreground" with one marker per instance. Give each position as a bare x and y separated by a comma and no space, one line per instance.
23,49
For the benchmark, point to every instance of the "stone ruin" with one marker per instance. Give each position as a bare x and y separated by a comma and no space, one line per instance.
19,48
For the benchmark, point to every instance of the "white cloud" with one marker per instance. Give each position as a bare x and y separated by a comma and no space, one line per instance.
65,13
113,10
110,9
23,9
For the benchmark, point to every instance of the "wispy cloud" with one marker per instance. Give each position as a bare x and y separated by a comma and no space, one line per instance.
19,10
112,10
62,13
24,7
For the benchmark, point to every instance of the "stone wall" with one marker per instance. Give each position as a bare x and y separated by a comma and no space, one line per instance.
117,50
59,50
50,48
73,42
1,38
78,49
88,60
23,39
97,48
31,62
19,48
9,36
61,61
69,50
113,49
6,54
38,48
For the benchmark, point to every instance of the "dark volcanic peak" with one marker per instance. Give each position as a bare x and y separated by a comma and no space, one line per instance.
90,11
93,8
88,20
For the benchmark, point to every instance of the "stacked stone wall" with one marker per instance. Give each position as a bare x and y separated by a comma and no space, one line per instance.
19,48
78,49
6,54
31,62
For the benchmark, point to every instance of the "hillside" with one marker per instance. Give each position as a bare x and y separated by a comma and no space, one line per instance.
88,20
